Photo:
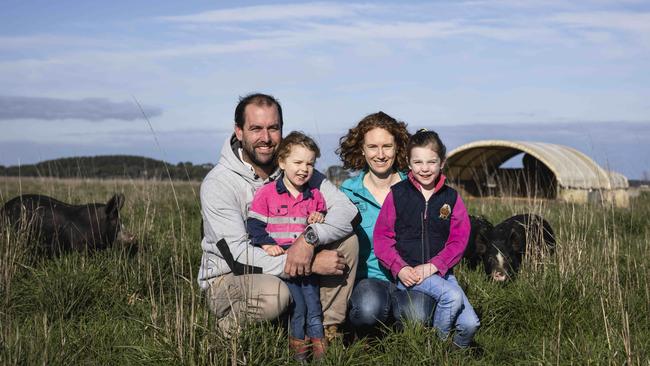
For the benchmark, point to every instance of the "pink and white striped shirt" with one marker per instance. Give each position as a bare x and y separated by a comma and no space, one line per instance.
276,217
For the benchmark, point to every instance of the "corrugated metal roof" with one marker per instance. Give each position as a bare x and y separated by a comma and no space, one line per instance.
572,168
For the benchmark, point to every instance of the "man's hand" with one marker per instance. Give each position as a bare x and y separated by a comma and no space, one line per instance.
329,262
425,271
299,257
408,276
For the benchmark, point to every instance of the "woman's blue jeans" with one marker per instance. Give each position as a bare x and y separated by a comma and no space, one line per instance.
374,302
453,310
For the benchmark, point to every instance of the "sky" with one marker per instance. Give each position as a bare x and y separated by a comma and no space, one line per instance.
77,77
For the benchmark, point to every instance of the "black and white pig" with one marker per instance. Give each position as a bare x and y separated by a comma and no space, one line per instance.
511,239
479,239
60,227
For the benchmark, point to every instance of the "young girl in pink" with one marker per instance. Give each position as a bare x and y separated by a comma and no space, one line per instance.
421,234
279,214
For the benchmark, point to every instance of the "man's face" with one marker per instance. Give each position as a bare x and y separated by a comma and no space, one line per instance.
260,135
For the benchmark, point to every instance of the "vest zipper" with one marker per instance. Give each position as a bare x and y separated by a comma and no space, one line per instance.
426,208
425,234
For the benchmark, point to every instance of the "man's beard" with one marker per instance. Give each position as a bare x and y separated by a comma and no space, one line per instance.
264,161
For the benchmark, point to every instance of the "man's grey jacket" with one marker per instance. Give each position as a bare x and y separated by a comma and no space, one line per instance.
226,194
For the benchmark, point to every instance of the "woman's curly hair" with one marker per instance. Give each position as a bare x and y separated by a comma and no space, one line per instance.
350,148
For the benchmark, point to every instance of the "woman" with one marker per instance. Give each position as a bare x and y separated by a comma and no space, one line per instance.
377,148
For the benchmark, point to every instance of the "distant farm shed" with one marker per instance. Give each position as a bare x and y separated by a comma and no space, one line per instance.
549,171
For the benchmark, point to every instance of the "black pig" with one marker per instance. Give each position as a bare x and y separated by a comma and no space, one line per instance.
479,239
60,227
511,239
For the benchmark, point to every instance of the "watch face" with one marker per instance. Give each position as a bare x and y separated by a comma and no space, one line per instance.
310,236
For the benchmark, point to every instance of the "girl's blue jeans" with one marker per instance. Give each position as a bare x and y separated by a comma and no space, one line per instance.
306,314
453,309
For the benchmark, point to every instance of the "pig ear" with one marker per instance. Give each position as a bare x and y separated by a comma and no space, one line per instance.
114,205
481,243
516,241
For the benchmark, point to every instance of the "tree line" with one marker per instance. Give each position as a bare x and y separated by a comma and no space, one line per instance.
109,166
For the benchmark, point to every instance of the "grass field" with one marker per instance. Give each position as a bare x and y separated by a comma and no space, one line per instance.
587,304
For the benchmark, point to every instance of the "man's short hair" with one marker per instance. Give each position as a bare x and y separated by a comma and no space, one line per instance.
257,99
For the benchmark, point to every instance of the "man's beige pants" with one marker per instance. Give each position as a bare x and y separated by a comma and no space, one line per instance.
257,297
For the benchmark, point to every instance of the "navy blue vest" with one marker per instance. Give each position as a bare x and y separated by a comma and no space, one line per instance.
421,228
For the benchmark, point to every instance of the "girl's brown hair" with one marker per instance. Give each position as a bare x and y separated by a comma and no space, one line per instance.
296,138
424,138
350,149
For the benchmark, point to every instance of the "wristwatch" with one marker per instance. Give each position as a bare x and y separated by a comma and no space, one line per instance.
310,236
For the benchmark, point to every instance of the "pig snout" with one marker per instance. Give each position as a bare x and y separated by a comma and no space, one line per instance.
125,238
499,276
498,270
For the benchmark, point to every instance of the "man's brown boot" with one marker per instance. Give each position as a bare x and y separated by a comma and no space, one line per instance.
332,332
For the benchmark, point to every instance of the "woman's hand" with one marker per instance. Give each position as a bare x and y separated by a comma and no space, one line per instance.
408,276
273,250
425,271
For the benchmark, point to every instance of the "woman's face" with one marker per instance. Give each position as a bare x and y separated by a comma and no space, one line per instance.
379,150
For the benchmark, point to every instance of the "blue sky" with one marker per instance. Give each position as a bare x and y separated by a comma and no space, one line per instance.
531,70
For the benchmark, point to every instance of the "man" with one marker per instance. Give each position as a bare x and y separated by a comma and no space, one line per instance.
242,281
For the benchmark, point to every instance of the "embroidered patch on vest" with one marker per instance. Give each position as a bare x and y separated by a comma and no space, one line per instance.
445,211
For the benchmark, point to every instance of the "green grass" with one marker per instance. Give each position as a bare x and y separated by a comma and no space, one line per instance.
589,303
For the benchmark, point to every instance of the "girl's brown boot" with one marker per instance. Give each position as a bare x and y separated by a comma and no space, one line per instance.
300,348
318,347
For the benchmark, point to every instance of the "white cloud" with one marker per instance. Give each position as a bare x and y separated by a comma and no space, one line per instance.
529,28
311,24
265,13
638,23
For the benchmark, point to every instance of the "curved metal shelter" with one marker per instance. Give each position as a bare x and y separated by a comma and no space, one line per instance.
568,171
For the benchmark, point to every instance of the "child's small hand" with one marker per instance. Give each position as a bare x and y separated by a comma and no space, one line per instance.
408,276
316,218
425,271
273,250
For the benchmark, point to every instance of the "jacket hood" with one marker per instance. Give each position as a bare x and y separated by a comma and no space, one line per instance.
230,160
